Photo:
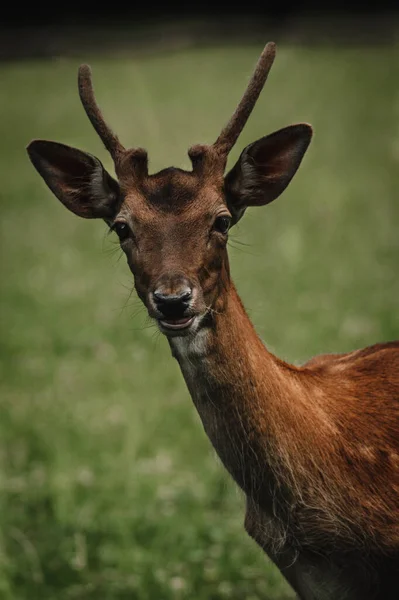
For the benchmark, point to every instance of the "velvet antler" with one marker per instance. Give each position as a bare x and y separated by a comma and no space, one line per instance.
86,92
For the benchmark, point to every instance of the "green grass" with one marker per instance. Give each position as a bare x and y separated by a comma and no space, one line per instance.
109,487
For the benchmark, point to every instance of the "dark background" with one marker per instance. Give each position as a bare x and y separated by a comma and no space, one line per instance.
35,30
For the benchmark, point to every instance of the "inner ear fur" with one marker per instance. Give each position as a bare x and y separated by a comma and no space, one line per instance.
266,167
78,179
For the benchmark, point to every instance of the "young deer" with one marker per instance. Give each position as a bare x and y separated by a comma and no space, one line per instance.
314,448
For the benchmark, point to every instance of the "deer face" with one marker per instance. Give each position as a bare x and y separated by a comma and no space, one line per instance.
173,230
173,225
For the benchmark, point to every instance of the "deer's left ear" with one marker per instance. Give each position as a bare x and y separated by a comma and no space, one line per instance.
265,168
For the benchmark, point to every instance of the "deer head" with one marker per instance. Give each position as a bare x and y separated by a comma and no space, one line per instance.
173,225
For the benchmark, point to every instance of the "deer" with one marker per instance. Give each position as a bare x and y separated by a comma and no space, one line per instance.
314,448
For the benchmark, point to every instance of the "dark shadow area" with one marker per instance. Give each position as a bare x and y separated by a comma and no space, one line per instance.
72,33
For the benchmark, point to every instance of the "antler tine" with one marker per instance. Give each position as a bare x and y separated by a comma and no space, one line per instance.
86,93
232,130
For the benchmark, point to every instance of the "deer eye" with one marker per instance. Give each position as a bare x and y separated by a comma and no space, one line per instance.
222,224
122,230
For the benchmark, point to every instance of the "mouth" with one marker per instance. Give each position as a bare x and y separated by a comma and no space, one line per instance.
176,324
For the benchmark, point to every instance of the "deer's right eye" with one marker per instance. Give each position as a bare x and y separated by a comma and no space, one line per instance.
122,230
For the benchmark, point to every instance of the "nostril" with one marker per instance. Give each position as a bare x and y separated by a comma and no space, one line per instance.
186,295
162,298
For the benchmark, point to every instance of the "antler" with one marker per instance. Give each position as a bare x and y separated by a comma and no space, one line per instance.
224,142
86,93
232,130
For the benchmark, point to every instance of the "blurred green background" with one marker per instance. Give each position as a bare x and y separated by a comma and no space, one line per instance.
109,486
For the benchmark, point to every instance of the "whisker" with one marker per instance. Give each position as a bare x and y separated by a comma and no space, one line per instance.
240,249
111,251
241,243
143,327
137,312
209,309
156,336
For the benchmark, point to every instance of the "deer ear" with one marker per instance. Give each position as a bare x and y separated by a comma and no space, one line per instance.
77,178
265,168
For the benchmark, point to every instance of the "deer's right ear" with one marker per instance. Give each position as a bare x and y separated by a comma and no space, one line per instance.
77,178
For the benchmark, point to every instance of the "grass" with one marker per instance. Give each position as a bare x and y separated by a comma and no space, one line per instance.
109,487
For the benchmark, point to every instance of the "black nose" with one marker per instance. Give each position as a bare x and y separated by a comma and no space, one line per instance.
173,306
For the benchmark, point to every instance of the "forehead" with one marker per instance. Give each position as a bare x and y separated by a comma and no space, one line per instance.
173,192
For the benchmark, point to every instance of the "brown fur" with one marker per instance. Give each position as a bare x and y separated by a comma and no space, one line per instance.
315,448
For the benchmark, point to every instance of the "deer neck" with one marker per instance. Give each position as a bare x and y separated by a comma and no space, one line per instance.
241,391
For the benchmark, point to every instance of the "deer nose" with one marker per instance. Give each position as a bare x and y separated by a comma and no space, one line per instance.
172,305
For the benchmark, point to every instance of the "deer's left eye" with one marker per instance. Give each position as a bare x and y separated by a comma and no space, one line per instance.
222,224
122,230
